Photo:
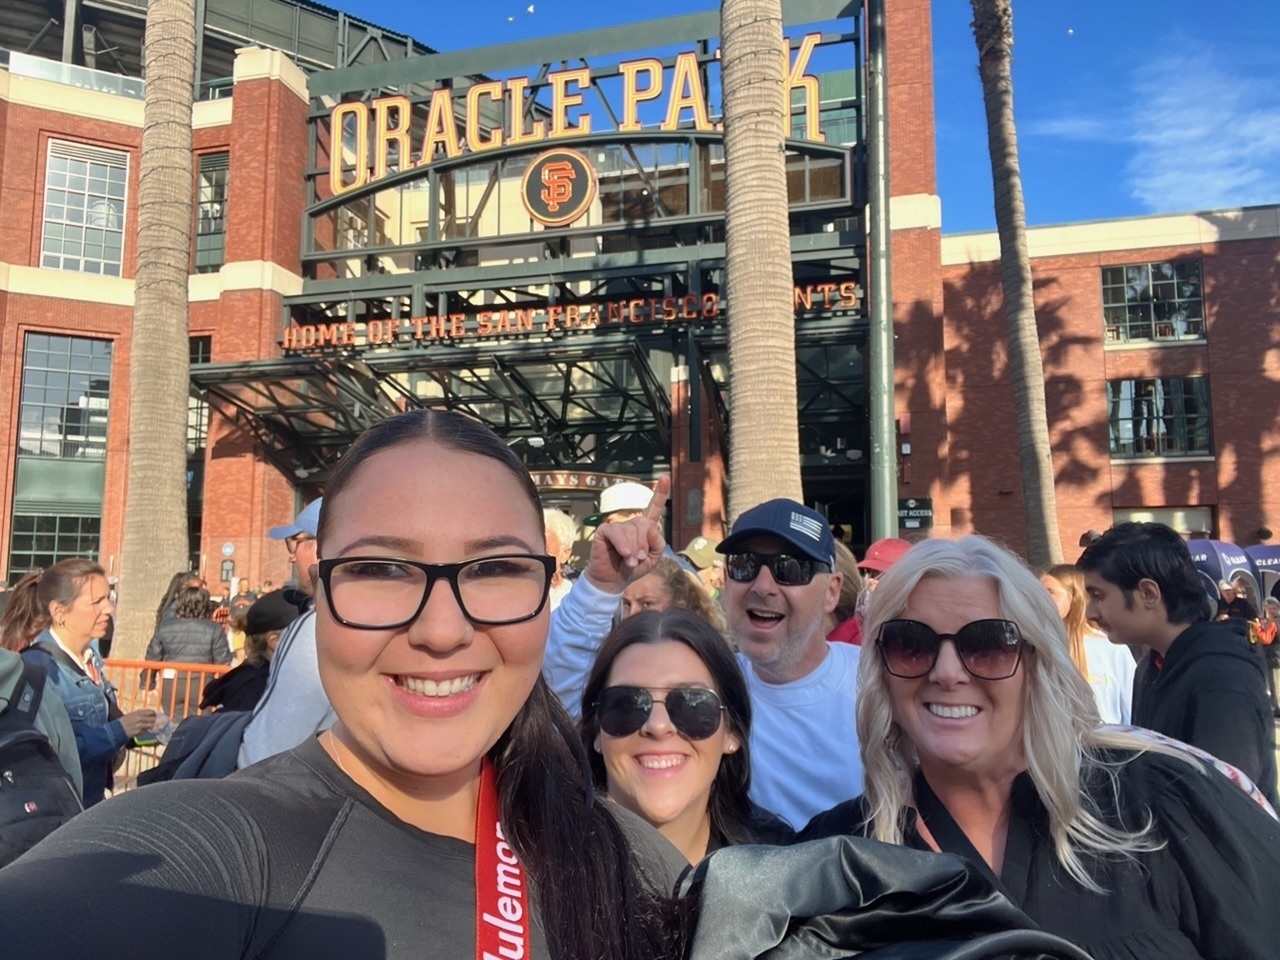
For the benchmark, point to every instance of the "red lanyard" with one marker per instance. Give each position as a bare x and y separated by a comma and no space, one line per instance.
502,897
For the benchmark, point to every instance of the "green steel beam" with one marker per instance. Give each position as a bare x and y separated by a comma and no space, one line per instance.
644,35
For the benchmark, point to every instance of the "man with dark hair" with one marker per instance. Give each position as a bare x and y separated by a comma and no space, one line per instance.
1201,682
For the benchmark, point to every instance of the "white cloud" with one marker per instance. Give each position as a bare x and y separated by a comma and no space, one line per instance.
1204,135
1201,133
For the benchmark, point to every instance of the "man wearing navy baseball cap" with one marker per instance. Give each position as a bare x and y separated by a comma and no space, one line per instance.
780,584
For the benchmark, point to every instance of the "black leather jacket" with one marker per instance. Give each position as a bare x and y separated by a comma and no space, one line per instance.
848,897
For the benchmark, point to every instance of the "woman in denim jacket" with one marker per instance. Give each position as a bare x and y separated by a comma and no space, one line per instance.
53,617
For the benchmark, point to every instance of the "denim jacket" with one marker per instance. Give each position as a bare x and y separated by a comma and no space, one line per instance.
98,739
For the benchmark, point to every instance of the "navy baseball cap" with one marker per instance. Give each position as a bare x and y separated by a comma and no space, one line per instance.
805,529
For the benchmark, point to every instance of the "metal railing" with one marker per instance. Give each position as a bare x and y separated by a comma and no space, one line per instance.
25,65
175,688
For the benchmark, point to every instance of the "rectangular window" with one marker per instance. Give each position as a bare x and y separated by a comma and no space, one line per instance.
84,208
66,390
38,542
211,212
1153,302
201,351
1166,417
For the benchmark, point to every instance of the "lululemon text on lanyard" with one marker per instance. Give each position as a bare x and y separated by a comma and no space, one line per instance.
502,896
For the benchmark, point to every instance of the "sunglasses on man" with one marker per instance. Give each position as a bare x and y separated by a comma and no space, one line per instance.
988,649
787,571
694,711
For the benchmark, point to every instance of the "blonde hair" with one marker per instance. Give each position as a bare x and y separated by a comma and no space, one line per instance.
1061,738
1072,580
687,591
850,587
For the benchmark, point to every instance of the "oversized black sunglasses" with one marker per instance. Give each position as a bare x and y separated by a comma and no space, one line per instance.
694,711
787,571
988,649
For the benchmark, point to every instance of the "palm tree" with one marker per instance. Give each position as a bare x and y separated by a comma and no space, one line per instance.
155,515
993,33
764,455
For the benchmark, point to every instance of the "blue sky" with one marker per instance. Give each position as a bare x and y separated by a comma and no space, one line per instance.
1124,107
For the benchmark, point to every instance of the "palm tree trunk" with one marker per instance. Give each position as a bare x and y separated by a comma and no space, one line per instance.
155,518
764,449
993,33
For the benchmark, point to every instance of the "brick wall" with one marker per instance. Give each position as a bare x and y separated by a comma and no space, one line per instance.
1241,356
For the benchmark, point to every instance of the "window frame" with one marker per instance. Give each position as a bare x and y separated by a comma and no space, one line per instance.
1118,321
211,256
1164,405
54,230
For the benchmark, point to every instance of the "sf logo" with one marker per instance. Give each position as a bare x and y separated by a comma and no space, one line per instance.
557,184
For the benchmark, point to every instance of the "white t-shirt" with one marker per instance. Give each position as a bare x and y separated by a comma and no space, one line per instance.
804,738
1111,670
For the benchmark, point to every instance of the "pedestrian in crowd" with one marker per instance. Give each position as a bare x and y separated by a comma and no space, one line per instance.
844,623
446,812
169,602
295,706
243,598
187,637
671,585
666,719
562,534
980,738
621,502
702,556
53,619
1202,682
880,557
1233,602
51,719
1266,632
242,687
780,586
1108,667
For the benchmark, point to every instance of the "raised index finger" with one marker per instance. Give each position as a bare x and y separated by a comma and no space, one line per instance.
657,509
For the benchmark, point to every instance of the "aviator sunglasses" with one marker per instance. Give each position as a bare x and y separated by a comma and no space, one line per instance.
988,649
694,711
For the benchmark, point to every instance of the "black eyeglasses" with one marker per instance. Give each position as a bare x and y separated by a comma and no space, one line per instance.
787,571
381,593
694,711
988,649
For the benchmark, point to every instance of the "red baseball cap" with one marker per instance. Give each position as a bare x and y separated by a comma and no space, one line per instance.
883,554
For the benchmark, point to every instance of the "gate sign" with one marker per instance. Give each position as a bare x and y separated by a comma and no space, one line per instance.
915,513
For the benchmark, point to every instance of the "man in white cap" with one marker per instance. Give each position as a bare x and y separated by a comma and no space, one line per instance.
295,707
620,503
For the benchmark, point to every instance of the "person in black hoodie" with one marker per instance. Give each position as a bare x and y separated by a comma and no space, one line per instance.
1201,682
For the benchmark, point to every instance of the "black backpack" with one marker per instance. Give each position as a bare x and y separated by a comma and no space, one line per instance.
36,794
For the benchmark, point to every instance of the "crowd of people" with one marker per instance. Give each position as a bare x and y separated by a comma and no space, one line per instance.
447,742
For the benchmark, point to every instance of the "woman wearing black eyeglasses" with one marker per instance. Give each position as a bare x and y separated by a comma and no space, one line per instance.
980,737
667,718
445,814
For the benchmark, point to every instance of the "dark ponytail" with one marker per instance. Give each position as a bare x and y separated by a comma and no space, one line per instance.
591,896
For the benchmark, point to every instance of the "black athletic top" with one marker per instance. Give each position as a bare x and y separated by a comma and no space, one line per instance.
286,860
1205,895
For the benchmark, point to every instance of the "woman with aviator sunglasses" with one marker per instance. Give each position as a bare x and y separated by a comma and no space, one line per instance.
666,718
980,737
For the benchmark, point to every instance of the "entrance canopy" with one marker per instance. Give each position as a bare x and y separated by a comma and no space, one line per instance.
596,402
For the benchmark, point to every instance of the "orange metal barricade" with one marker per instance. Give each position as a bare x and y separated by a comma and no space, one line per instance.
175,688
